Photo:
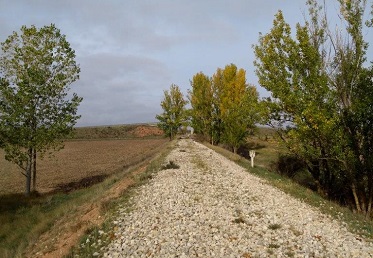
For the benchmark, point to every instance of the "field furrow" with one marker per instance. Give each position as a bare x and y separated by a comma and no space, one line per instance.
80,163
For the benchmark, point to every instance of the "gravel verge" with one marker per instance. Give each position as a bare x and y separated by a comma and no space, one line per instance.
211,207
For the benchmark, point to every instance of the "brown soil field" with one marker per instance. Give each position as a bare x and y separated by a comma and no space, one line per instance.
79,164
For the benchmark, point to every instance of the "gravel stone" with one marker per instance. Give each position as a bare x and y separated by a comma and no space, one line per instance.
211,207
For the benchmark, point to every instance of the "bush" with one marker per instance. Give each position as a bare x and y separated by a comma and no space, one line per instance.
170,165
291,166
288,165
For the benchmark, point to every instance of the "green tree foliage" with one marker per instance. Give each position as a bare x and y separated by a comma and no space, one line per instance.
217,91
174,113
237,105
356,125
316,78
224,107
201,100
37,67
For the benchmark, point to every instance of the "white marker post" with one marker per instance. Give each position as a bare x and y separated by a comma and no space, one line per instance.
252,155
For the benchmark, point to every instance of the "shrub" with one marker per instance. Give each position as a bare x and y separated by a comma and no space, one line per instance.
170,165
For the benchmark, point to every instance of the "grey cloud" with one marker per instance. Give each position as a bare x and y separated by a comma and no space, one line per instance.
111,66
131,50
114,85
111,105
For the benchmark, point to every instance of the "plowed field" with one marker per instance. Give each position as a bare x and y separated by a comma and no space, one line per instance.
79,163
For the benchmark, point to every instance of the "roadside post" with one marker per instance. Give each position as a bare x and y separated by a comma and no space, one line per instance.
252,155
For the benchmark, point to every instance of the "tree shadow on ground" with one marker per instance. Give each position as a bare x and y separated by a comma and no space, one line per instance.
82,183
13,202
17,201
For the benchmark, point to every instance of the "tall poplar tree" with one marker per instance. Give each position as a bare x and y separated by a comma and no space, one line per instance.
201,100
217,91
174,113
37,67
238,106
316,79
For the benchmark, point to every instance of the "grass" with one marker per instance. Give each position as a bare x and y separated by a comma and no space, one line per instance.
357,223
26,219
267,153
274,226
23,219
170,165
273,246
239,220
99,237
199,163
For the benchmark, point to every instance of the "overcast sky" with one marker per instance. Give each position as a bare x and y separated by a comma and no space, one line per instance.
130,51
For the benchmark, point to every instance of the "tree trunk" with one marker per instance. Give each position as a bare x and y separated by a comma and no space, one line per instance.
370,198
356,198
314,169
369,208
34,170
235,150
363,202
28,173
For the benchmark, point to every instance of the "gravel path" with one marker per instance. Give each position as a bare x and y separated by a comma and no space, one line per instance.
211,207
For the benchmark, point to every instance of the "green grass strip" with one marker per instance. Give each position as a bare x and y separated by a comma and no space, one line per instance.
356,223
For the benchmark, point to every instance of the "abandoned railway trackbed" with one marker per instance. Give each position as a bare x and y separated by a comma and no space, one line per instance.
211,207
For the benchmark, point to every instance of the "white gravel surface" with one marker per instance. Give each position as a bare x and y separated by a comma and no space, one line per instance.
211,207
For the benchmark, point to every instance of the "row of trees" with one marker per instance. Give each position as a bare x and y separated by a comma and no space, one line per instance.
322,99
37,67
320,104
223,107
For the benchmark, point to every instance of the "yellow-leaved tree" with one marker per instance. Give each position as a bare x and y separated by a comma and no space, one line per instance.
224,107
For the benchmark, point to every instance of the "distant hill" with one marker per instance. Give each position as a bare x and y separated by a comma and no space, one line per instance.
118,131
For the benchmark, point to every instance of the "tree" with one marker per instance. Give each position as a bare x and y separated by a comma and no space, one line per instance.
291,70
217,91
174,113
201,100
37,67
356,124
237,105
241,119
350,79
224,107
316,80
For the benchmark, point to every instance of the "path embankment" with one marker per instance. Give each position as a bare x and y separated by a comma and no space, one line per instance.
211,207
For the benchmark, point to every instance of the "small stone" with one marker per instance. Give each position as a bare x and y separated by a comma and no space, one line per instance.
189,212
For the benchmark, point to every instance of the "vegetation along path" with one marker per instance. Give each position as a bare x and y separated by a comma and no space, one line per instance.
211,207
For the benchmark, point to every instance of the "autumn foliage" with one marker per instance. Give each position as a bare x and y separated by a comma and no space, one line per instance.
322,97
